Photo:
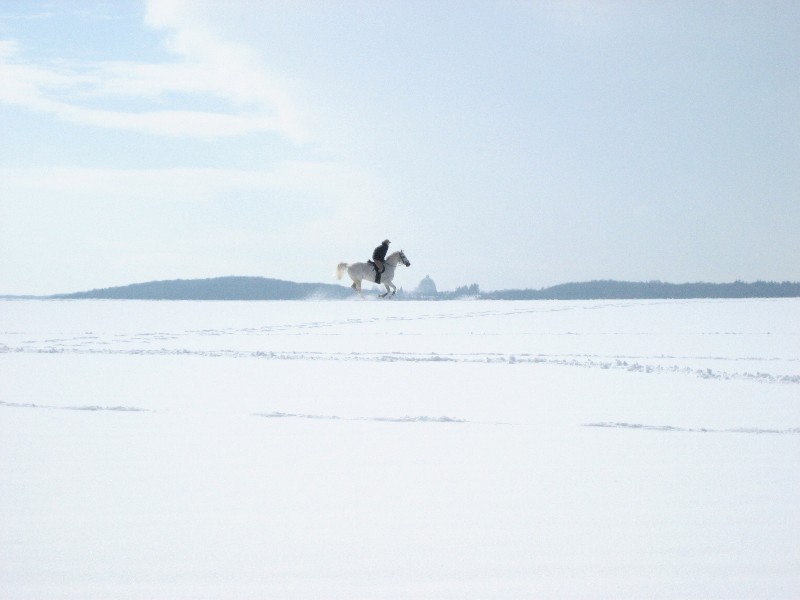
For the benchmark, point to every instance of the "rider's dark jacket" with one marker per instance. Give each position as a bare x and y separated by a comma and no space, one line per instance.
380,252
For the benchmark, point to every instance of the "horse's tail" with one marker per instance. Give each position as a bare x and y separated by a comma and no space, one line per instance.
340,270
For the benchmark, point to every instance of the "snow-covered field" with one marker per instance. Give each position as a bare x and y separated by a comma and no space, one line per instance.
367,449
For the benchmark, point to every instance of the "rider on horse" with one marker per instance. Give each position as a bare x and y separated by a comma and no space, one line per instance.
378,257
368,271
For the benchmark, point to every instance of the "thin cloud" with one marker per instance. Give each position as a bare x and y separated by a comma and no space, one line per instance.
318,179
207,70
27,16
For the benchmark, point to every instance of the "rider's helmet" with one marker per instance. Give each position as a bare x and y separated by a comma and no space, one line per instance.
387,242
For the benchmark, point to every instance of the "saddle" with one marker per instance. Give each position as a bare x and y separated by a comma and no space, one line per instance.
377,272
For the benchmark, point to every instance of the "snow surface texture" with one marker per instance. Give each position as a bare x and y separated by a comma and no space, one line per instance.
364,449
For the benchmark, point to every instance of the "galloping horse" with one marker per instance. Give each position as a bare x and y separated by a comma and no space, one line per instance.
361,271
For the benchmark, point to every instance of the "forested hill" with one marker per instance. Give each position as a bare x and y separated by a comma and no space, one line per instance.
631,290
219,288
261,288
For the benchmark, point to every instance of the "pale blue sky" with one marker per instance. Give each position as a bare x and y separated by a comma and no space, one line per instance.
509,144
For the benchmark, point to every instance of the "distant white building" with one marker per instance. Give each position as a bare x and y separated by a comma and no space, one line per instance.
426,288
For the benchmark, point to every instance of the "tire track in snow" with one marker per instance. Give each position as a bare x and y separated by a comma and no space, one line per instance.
670,428
90,408
405,419
580,361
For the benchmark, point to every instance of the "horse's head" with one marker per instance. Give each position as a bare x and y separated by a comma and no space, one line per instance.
404,259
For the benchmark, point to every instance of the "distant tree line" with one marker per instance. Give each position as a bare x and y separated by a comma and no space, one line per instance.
261,288
613,290
465,291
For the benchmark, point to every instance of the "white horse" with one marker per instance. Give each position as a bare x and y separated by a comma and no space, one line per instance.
361,271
